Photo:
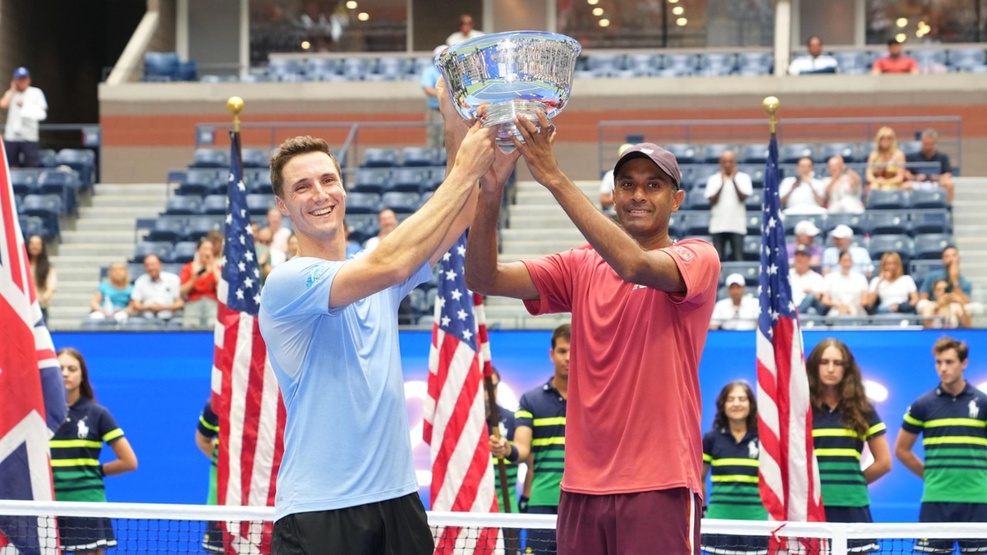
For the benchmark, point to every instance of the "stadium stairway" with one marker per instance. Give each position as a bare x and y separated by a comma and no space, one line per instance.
970,234
103,234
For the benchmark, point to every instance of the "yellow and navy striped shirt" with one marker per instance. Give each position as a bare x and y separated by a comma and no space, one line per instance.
838,451
75,451
733,466
543,410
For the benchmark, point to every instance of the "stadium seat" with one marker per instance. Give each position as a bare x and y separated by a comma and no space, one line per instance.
418,156
161,66
684,153
697,223
255,158
755,63
260,184
750,270
183,252
25,181
183,205
210,158
791,153
753,154
752,247
929,246
362,203
886,200
684,63
851,61
82,160
935,198
713,151
605,61
407,180
393,68
371,180
161,249
918,269
33,225
880,244
213,205
46,207
696,199
167,229
198,226
931,221
754,200
258,204
848,151
46,157
754,222
856,222
886,222
354,69
401,202
965,59
65,184
319,66
380,158
929,61
278,67
643,64
197,181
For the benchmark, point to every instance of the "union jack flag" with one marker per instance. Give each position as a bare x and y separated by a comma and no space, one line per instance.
32,393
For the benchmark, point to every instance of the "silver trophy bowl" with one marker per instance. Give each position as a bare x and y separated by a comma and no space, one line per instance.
496,77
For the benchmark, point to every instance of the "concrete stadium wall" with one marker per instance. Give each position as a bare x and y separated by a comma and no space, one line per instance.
149,128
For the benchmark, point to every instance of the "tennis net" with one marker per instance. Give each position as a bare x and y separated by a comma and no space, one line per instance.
142,529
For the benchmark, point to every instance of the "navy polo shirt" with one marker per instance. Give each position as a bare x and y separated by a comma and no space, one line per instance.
733,465
543,410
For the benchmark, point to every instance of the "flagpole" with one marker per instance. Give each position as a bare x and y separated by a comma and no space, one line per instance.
493,420
235,105
771,105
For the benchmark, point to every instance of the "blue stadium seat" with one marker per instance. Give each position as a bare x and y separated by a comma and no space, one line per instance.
183,205
255,158
354,69
792,152
167,229
418,156
880,244
213,205
910,147
755,63
965,59
371,180
362,203
918,269
258,204
401,202
260,184
676,223
749,269
643,64
697,223
407,179
754,222
63,183
210,158
754,200
279,67
160,248
25,181
393,68
183,252
753,154
380,158
929,60
685,153
848,151
718,63
713,151
886,222
82,160
852,61
886,200
935,198
198,226
47,207
856,222
752,247
161,66
34,225
931,221
600,60
320,66
686,64
197,181
46,157
696,199
929,246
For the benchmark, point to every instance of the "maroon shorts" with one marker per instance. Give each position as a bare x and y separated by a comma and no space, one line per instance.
664,521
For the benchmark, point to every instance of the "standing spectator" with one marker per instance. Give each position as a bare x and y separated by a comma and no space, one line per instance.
112,297
807,284
738,311
929,168
156,295
805,235
845,291
279,236
815,62
730,451
387,221
207,440
843,419
895,61
433,118
45,278
952,418
465,32
843,241
606,185
892,291
262,244
75,450
26,107
539,440
844,193
886,163
199,279
727,190
803,193
958,288
636,282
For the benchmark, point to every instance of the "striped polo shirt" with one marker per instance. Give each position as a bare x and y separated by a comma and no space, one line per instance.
733,466
506,419
838,451
209,427
954,435
543,410
75,451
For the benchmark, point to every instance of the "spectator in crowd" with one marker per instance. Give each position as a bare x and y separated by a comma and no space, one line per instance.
352,247
953,415
945,307
292,246
279,236
807,284
892,291
844,192
207,440
217,239
387,221
895,61
730,452
843,241
262,244
465,32
157,294
112,297
506,423
199,279
845,290
26,108
606,185
815,61
957,291
803,193
843,420
75,448
805,235
45,277
539,439
929,168
738,311
727,190
433,118
886,163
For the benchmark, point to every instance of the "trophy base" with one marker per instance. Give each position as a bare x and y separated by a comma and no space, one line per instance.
502,115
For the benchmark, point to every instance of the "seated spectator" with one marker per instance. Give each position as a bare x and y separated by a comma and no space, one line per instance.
815,61
845,290
112,297
895,61
929,168
844,194
279,235
843,241
892,291
199,279
387,220
886,164
352,247
803,193
727,190
292,247
262,244
606,185
156,295
805,235
807,284
738,311
958,288
45,278
945,307
215,237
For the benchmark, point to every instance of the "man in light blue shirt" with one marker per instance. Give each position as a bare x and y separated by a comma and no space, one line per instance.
430,76
843,241
347,482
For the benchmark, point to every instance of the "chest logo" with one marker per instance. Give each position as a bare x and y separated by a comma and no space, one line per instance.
82,429
752,449
974,409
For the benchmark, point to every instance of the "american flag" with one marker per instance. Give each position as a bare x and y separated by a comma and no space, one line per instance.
245,393
32,393
455,423
789,474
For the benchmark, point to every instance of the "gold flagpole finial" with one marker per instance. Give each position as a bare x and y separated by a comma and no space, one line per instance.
235,106
771,105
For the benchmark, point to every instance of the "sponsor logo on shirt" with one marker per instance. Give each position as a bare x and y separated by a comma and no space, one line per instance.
316,275
83,430
752,449
973,408
685,254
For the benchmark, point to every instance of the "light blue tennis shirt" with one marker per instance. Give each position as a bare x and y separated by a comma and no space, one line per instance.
346,437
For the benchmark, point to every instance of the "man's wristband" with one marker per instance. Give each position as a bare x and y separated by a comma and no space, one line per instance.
512,456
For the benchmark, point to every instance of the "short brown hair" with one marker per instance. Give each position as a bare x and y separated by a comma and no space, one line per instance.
294,147
564,331
946,343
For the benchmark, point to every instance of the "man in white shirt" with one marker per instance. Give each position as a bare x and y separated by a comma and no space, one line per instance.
803,193
465,32
738,311
387,221
807,284
815,62
727,190
156,294
26,106
843,241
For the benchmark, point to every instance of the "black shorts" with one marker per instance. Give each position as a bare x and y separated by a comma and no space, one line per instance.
79,533
952,512
393,527
853,514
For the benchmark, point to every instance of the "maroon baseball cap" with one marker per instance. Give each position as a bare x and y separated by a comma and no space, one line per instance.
662,158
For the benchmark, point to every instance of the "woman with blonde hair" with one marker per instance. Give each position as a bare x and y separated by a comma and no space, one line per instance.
886,164
112,297
891,290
